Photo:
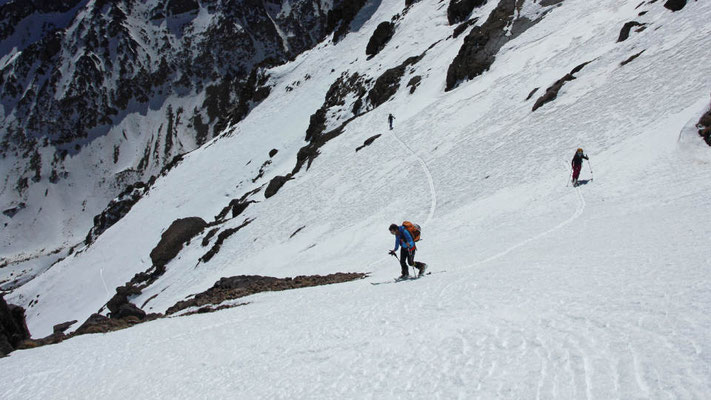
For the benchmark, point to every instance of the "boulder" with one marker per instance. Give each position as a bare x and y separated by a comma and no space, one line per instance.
120,299
60,328
130,310
675,5
459,10
381,36
625,31
172,240
13,328
275,184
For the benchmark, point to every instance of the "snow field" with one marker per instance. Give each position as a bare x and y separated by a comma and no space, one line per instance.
550,292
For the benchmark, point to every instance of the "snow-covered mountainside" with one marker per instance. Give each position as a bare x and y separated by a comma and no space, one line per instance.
99,95
537,289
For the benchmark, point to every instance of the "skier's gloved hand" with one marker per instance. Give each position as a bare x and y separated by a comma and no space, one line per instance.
392,252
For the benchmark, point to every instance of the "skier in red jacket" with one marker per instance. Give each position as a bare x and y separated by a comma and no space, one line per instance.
577,163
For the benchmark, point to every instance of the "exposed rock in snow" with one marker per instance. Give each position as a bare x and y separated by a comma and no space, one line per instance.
244,285
13,329
631,58
625,32
552,92
675,5
220,239
381,36
459,10
481,45
367,142
172,240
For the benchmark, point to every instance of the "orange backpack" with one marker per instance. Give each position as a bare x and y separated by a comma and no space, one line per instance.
414,230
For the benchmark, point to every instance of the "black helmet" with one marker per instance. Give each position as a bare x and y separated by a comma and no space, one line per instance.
393,227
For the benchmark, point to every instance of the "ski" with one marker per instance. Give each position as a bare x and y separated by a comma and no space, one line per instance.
412,278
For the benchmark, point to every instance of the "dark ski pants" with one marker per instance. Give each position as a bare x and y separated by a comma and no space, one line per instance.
406,258
576,171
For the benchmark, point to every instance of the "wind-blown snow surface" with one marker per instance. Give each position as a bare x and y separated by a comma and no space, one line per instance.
549,292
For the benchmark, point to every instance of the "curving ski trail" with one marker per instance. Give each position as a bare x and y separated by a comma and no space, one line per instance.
578,211
101,274
428,174
430,181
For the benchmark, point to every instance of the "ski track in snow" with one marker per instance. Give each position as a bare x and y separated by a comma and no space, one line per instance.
428,174
101,274
578,211
609,303
430,182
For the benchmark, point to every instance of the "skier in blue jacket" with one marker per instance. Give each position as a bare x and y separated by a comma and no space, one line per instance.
403,240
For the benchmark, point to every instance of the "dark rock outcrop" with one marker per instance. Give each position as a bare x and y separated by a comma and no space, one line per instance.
175,7
675,5
172,240
459,29
340,17
11,212
552,92
704,127
414,83
98,323
221,238
117,209
60,328
481,45
346,85
130,310
128,314
389,82
297,231
530,95
245,285
13,328
459,10
262,170
381,36
625,32
120,299
367,142
547,3
81,70
632,58
237,206
275,184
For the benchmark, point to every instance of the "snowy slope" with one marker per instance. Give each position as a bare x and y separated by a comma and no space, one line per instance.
103,95
549,292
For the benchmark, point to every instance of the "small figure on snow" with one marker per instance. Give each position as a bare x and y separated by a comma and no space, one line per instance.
577,163
404,239
391,118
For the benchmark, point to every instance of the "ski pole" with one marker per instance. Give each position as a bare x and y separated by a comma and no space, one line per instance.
591,172
398,258
570,177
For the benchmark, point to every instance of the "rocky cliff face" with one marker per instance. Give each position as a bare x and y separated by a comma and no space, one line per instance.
67,83
102,94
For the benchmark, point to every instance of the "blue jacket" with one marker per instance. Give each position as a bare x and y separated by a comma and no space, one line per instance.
403,238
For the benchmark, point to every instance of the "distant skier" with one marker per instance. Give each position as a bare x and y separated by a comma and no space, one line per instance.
406,243
391,118
577,163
